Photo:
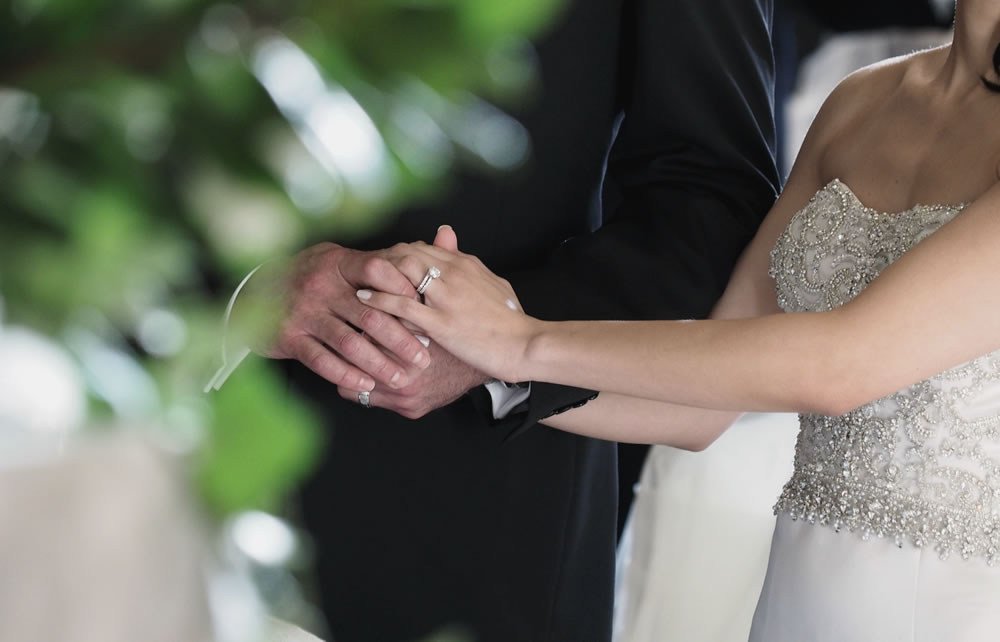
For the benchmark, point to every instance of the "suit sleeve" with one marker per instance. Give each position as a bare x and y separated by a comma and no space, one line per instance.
689,177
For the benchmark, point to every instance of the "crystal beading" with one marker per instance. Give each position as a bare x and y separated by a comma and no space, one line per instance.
921,466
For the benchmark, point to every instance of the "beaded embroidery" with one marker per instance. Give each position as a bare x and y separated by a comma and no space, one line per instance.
921,465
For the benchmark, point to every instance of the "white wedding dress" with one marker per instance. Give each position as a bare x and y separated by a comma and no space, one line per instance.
889,529
694,552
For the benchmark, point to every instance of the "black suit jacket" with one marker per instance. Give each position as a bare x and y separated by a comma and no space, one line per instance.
652,167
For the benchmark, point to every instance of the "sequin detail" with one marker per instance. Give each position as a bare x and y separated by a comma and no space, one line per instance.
921,466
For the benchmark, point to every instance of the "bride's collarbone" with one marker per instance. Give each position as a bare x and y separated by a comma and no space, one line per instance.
894,177
901,153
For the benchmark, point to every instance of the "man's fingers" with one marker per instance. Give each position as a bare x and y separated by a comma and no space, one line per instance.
413,259
390,333
381,398
413,266
318,358
358,350
419,333
377,272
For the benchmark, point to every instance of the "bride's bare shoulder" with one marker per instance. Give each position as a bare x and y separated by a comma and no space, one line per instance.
864,91
858,93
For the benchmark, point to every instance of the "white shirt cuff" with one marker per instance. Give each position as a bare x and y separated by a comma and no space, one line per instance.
232,356
505,397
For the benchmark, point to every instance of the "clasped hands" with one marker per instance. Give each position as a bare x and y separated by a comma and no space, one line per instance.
317,318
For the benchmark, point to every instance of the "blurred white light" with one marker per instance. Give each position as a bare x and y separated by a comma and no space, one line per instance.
313,189
349,138
223,27
23,126
242,219
311,193
263,538
148,129
420,143
238,614
40,387
289,76
162,333
491,135
328,120
501,141
186,423
114,376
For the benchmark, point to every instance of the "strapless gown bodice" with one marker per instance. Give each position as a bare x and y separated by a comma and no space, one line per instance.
918,470
921,466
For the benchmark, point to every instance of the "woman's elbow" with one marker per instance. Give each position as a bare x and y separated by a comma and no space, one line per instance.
700,439
690,444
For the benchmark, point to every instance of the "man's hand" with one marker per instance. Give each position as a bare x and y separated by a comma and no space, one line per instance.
315,317
443,382
467,309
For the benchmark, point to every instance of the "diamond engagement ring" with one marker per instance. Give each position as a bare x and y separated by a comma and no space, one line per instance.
432,273
364,398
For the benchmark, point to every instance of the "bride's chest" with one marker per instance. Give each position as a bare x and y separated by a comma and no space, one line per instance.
835,246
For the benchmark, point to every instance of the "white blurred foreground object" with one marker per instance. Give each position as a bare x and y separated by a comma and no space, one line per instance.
100,537
280,631
694,552
41,391
101,545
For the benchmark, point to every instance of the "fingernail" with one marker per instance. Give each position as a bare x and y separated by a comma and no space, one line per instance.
364,295
511,304
396,380
441,227
367,384
424,340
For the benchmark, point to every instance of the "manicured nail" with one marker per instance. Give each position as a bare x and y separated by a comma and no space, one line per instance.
364,295
441,227
424,340
396,380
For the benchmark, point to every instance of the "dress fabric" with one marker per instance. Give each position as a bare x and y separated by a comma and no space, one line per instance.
694,551
889,529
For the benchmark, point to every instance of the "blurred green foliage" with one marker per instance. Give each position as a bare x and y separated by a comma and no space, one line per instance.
152,152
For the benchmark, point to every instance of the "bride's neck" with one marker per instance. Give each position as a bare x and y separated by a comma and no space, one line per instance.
977,35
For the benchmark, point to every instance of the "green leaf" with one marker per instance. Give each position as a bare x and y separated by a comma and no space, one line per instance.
262,442
491,19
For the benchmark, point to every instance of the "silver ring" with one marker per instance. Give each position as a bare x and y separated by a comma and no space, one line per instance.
364,398
432,273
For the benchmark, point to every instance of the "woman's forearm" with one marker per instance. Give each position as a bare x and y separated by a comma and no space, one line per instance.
778,362
632,420
930,310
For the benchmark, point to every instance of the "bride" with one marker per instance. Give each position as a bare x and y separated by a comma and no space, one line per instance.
868,303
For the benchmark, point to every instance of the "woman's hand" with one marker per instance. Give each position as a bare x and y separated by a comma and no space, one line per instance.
471,312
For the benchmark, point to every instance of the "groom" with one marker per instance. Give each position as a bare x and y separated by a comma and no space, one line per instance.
443,503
